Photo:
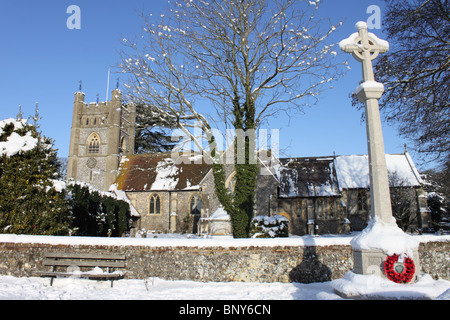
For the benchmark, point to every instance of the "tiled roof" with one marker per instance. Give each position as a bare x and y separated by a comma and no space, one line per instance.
307,177
159,172
297,177
328,176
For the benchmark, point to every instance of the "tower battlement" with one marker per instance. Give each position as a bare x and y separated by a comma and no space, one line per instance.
101,106
101,133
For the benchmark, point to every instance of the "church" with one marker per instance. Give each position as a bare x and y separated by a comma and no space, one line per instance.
174,193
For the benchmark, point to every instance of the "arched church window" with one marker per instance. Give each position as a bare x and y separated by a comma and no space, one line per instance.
155,204
94,144
196,205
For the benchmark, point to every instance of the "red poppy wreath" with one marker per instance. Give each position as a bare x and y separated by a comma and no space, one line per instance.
399,270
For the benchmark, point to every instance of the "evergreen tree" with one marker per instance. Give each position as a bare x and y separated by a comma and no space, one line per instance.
151,131
29,201
97,214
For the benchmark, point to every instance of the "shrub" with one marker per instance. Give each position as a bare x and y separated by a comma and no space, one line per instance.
98,214
269,227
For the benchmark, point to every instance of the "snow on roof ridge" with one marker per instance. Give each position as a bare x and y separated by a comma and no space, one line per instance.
353,171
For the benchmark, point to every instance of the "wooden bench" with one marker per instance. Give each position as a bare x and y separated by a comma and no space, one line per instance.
75,261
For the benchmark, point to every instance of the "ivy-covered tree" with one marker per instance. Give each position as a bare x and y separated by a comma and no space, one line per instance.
248,60
31,201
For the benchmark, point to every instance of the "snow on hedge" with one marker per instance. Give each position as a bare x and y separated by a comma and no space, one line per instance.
269,227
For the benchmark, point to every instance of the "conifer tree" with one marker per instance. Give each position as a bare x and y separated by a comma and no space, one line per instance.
151,135
29,201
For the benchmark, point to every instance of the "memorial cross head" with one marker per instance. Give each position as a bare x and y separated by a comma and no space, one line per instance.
365,47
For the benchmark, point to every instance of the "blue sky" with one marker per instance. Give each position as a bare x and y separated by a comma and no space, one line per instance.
41,60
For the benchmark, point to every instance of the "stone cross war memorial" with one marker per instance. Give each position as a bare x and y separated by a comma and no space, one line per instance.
382,242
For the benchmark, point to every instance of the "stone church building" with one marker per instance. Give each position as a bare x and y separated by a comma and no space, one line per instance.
175,193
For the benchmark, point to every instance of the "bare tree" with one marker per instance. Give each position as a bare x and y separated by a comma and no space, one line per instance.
249,59
416,73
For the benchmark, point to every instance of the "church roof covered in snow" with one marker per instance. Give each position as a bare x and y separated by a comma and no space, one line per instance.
297,177
161,172
353,171
328,176
307,177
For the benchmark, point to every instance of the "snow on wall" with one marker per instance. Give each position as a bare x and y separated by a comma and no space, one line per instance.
222,242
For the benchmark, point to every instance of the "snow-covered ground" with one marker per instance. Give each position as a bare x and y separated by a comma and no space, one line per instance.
156,289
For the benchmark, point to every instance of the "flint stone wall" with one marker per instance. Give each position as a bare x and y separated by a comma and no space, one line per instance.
303,264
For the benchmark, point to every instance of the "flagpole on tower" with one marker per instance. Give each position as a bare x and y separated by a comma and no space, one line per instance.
107,85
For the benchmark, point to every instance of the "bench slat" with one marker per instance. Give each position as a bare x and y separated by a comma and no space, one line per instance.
84,256
81,275
85,263
62,259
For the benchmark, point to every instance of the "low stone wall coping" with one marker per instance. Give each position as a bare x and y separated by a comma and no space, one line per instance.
222,242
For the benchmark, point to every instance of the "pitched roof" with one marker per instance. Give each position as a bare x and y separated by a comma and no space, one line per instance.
307,177
328,176
353,171
159,172
297,177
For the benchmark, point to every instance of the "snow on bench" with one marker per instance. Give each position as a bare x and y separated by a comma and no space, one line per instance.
75,261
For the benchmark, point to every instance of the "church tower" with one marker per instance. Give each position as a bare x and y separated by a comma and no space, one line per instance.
101,133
